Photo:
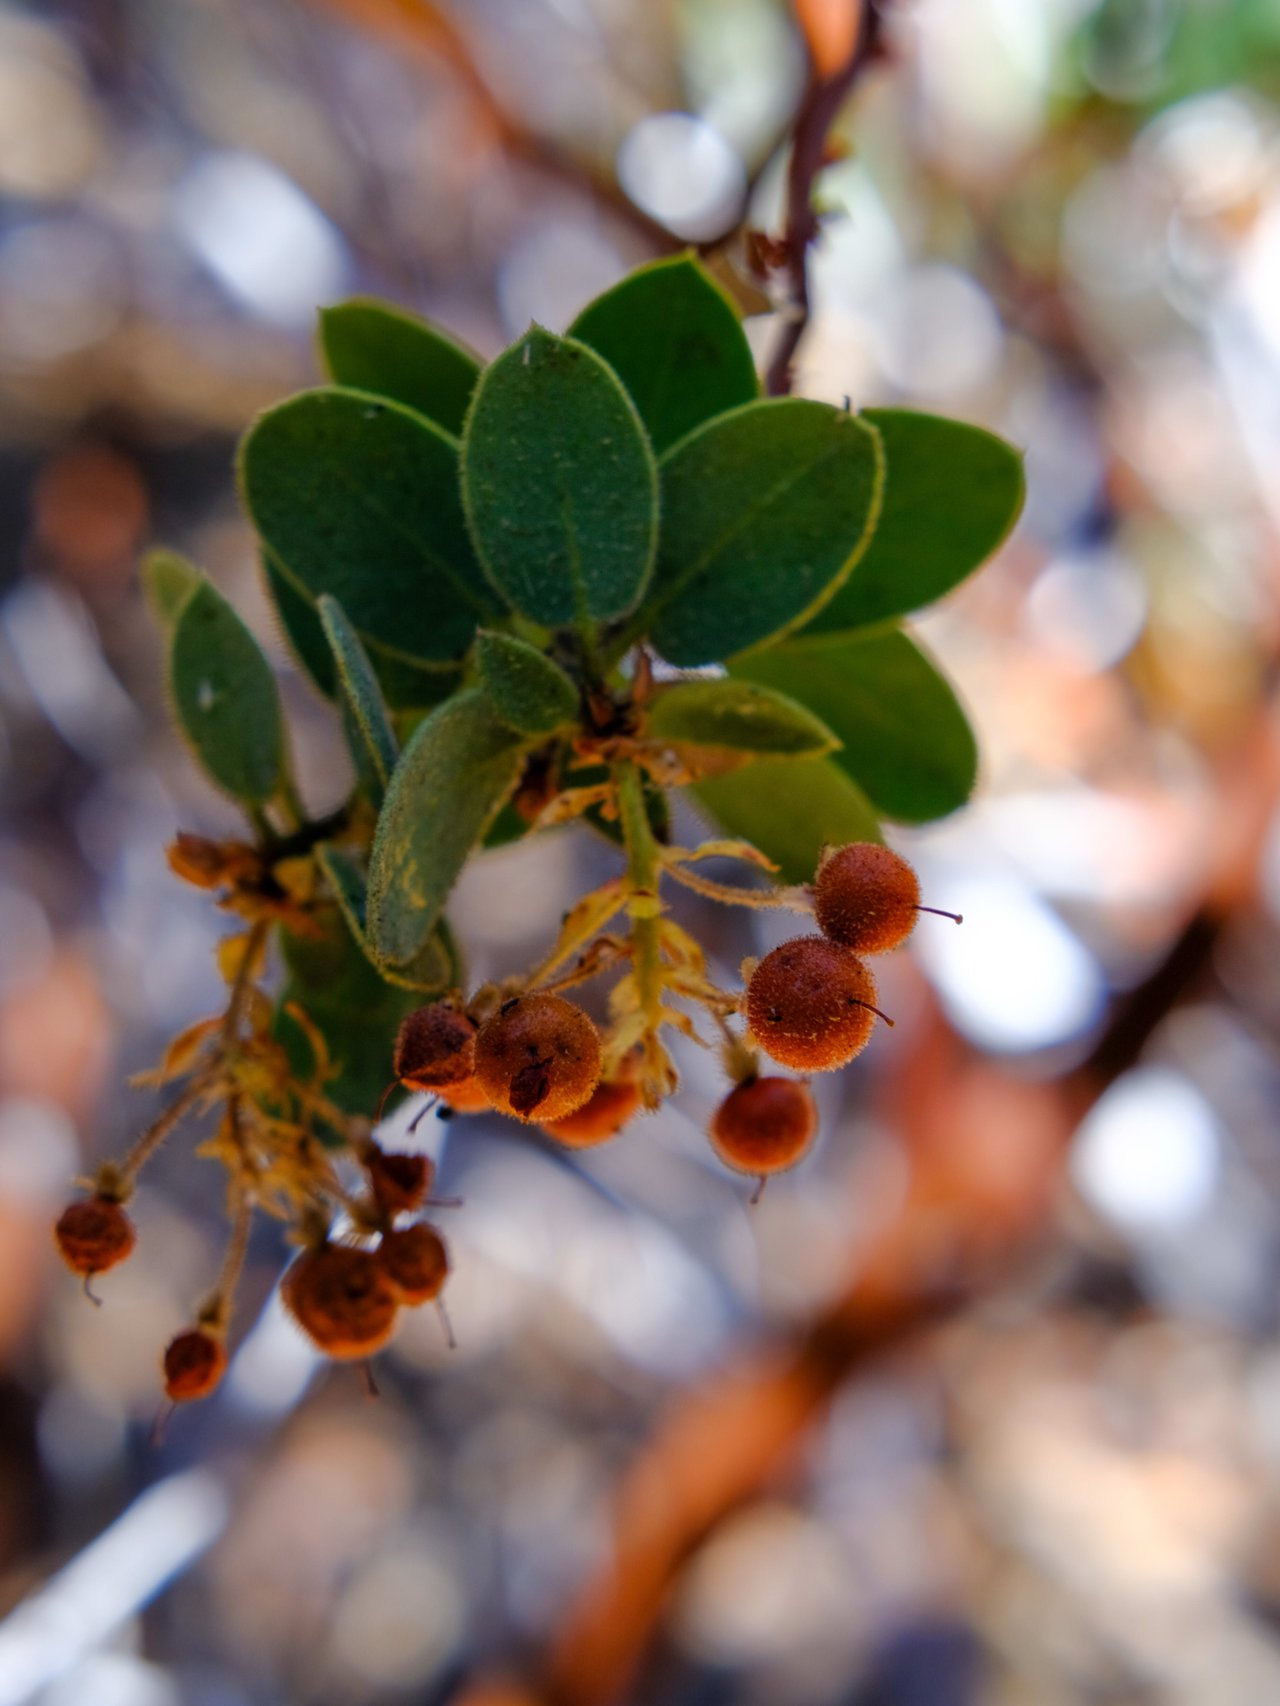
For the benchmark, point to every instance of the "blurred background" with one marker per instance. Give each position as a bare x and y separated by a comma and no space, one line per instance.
1058,218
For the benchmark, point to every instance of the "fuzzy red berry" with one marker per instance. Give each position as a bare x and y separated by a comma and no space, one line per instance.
811,1004
538,1057
435,1046
399,1182
415,1262
610,1106
342,1299
765,1125
94,1235
867,897
465,1097
194,1363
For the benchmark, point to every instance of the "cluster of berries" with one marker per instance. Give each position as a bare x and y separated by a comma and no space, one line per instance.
521,1050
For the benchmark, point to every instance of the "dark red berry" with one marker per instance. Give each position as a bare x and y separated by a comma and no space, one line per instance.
194,1363
94,1235
602,1116
342,1299
811,1004
538,1058
435,1046
416,1262
765,1125
399,1182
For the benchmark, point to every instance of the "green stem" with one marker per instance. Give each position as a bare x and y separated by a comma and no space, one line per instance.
642,872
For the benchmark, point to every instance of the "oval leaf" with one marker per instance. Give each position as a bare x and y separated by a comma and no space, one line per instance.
904,738
373,742
226,697
674,339
358,497
168,581
559,483
531,692
437,967
951,494
790,809
451,780
374,347
739,716
764,513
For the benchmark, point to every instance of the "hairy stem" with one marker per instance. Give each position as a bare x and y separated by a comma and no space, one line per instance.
642,906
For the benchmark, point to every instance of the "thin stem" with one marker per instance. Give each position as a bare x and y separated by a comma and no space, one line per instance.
643,905
243,983
160,1128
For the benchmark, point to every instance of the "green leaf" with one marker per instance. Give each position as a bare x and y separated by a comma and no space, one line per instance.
437,967
358,497
374,347
790,809
674,339
531,692
355,1010
451,780
168,581
904,738
740,716
559,483
951,494
226,697
764,512
373,742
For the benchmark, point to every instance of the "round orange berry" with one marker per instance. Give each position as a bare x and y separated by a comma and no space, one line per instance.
602,1116
399,1182
435,1046
194,1363
538,1057
866,897
94,1235
811,1004
416,1262
764,1125
342,1299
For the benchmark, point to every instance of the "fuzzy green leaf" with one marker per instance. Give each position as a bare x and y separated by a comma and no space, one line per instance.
373,742
559,483
226,697
790,809
372,346
674,339
739,716
531,692
358,497
764,513
437,967
452,779
904,738
168,580
951,494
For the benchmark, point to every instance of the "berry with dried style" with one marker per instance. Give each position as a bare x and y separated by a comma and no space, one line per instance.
94,1235
765,1125
194,1363
435,1047
867,897
399,1182
342,1299
538,1057
811,1004
611,1105
416,1262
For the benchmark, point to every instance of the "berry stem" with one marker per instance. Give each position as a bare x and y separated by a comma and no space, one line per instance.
940,912
643,906
159,1129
